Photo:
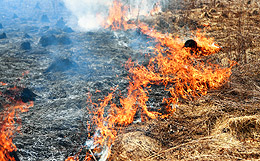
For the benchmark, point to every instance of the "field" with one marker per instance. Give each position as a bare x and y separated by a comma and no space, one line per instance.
44,60
224,124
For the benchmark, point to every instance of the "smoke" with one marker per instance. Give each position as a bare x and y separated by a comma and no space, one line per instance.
90,14
141,7
87,14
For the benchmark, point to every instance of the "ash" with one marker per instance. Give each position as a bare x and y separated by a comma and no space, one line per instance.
64,65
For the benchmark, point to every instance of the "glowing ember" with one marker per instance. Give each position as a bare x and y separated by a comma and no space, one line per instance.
183,71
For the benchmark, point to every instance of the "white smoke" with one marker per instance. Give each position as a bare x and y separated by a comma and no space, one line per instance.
89,14
143,7
86,13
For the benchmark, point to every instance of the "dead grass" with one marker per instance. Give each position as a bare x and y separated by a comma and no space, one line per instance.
224,124
242,128
136,146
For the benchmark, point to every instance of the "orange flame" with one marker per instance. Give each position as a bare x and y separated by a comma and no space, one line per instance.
184,72
3,84
156,9
8,128
8,115
118,17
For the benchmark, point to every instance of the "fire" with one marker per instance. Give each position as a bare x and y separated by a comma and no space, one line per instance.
156,9
118,17
183,74
183,71
3,84
8,128
9,116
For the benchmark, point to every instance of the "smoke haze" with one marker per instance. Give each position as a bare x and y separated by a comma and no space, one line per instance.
89,14
85,13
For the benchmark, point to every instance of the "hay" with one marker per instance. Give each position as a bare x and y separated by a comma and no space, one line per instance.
242,128
134,146
224,124
234,139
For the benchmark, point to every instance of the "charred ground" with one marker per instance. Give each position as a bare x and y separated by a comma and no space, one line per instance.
223,125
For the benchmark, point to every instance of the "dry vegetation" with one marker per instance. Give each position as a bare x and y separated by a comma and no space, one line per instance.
225,124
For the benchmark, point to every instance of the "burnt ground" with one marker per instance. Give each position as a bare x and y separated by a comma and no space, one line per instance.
223,125
63,68
61,75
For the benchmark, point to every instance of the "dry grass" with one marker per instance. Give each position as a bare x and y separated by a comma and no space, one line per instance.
242,128
225,124
136,146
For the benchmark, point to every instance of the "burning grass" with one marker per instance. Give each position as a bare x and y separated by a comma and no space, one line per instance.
184,72
205,115
9,117
190,135
13,102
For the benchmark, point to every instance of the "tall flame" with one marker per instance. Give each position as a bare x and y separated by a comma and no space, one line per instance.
183,71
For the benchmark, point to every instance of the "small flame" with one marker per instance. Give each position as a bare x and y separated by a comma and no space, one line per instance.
156,9
8,115
8,127
3,84
118,17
